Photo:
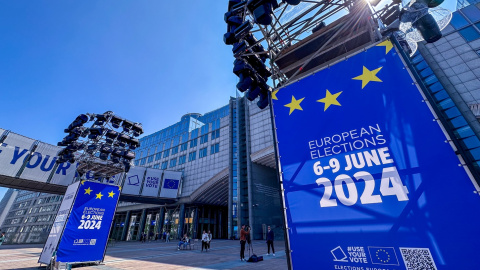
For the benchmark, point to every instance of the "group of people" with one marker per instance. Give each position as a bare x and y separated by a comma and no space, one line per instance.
245,238
206,240
151,237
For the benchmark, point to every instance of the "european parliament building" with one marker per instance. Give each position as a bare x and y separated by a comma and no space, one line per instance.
229,178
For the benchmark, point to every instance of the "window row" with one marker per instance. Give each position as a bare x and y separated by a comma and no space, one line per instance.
191,157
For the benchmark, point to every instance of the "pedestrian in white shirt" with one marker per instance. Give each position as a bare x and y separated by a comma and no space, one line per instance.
205,241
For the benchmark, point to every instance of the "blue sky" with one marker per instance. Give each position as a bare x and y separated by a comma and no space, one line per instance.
148,61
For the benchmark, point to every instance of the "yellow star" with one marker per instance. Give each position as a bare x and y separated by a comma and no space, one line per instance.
87,191
99,195
110,194
294,105
368,76
82,182
119,188
274,94
388,45
330,99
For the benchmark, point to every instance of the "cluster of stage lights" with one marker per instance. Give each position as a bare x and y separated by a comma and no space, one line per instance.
108,143
250,55
420,16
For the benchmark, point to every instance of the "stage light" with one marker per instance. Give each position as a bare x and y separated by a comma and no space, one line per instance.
243,30
96,131
129,155
137,129
127,125
233,18
239,49
106,148
292,2
262,10
103,156
112,134
263,101
116,121
243,71
123,138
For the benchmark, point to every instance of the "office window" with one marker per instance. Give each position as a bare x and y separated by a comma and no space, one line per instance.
173,162
174,150
158,155
150,159
143,161
156,166
166,153
458,21
214,148
469,33
182,159
472,13
193,143
136,162
164,165
183,147
202,152
204,139
215,134
192,156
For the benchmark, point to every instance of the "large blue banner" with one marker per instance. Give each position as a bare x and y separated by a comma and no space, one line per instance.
370,179
86,233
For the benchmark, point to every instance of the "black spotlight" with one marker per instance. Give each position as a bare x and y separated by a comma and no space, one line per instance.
244,71
127,125
137,129
243,30
129,155
124,138
116,121
233,18
293,2
112,134
262,10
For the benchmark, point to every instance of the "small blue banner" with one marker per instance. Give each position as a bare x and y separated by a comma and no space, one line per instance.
370,179
86,233
171,183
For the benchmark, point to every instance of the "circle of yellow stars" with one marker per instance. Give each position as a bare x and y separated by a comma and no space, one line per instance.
367,76
98,195
384,253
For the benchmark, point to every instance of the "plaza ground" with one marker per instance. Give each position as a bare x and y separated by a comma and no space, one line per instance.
224,254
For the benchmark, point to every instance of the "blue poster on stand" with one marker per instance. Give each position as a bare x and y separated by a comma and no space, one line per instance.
371,181
86,233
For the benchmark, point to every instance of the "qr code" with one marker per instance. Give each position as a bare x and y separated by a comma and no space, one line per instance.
418,259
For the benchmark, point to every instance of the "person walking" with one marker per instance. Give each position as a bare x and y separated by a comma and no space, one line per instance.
270,237
164,236
243,240
2,238
209,238
205,241
167,237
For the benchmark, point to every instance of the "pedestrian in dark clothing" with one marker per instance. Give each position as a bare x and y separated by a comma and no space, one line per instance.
210,237
270,237
243,239
164,236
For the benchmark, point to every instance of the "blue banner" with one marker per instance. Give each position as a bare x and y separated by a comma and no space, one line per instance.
171,183
370,179
86,233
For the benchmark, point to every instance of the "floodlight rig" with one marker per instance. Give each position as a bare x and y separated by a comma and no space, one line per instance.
105,148
298,36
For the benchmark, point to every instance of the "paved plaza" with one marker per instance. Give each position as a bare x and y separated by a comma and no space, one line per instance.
224,254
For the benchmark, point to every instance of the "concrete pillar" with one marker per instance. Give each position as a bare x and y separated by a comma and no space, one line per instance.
161,221
125,226
181,220
195,223
141,226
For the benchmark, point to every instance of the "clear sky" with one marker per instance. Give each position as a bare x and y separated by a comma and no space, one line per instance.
148,61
